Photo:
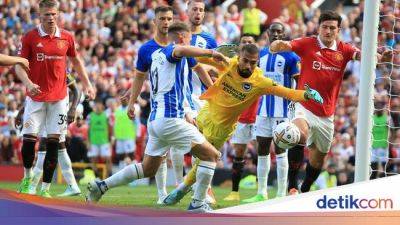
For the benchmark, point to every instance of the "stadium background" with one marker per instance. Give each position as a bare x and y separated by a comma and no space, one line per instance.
110,32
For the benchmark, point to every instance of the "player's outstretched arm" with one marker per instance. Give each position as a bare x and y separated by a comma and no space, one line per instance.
280,46
80,69
203,75
191,51
6,60
137,84
294,95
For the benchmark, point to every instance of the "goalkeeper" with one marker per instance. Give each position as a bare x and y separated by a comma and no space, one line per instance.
239,84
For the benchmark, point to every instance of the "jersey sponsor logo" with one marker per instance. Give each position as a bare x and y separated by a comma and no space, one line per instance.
246,87
39,45
41,57
316,65
233,92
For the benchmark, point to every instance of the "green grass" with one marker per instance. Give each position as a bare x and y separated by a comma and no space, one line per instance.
143,196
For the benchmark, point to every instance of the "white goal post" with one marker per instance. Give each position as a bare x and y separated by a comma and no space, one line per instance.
367,81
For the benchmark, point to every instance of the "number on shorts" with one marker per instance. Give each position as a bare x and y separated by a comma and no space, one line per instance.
279,121
63,119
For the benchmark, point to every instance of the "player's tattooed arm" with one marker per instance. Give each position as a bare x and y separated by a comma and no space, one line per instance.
280,46
76,95
18,119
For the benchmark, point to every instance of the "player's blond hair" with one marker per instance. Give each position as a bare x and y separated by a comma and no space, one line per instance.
48,4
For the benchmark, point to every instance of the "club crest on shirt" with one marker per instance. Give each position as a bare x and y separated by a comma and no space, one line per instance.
246,87
61,44
338,56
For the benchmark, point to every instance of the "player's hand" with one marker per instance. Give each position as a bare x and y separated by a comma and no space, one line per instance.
125,98
18,121
313,94
190,119
213,72
24,63
33,89
71,116
219,57
131,110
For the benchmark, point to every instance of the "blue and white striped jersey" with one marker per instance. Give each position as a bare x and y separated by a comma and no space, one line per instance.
143,62
194,86
279,67
167,78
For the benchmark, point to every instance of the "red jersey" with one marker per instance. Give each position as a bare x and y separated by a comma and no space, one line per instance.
47,58
322,69
249,115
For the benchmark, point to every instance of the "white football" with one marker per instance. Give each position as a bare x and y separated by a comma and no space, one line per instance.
286,135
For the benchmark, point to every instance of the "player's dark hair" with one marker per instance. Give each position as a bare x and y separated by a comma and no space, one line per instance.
330,15
249,48
247,35
178,27
48,4
277,23
163,8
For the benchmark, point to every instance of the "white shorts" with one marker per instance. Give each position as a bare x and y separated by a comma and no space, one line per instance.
321,128
103,150
266,125
125,146
243,134
167,132
51,115
380,155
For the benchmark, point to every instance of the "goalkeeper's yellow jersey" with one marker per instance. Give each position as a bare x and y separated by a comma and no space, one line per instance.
231,94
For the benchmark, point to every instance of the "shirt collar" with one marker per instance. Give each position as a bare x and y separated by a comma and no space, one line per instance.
333,47
42,33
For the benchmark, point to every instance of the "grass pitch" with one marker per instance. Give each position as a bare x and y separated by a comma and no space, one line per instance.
143,196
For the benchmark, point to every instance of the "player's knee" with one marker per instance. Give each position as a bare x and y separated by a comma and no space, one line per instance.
303,127
263,145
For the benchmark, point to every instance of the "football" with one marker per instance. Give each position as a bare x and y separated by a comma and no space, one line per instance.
286,135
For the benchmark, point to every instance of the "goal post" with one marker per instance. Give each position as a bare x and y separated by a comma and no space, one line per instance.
367,81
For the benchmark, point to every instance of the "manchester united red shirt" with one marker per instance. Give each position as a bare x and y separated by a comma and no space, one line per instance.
47,57
322,68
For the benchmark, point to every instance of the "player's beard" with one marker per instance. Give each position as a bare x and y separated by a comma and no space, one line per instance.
244,73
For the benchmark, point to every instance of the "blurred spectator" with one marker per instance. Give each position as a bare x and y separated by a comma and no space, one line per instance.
253,18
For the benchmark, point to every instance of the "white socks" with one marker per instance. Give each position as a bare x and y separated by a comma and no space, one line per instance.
282,168
125,176
161,179
177,163
204,175
263,166
45,186
66,168
38,169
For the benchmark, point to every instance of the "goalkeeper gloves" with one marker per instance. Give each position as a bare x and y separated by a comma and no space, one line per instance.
312,94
